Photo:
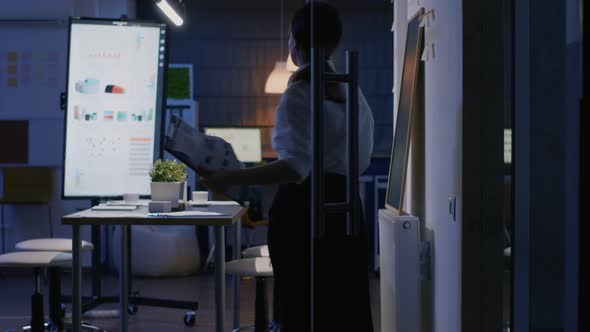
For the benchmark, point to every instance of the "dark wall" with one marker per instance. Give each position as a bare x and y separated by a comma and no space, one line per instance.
233,46
548,172
546,152
584,292
482,165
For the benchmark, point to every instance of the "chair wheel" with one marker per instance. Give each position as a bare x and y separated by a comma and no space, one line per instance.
132,309
190,318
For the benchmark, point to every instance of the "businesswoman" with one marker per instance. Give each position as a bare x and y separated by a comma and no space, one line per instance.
341,300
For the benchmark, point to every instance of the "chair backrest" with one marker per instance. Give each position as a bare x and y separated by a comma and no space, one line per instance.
27,185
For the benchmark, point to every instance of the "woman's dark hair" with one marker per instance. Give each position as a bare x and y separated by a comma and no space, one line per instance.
327,35
328,27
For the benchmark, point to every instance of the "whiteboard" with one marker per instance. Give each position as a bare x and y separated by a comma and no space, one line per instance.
114,105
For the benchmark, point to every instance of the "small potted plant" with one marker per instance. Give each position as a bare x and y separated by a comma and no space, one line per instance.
168,178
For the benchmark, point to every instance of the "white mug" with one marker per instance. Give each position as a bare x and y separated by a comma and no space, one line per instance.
200,196
130,197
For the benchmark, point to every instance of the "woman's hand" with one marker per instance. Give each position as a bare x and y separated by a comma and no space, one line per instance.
219,182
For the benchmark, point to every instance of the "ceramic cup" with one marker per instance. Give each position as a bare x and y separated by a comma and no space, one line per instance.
200,196
129,198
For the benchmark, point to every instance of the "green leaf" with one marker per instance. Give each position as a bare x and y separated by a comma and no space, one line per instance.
168,171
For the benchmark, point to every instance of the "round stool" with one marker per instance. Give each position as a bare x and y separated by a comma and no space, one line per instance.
63,245
257,251
260,268
36,260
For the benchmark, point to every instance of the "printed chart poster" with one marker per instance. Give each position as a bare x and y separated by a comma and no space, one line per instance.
114,93
32,73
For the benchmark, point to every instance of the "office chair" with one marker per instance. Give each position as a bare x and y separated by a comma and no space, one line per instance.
36,246
256,251
261,269
26,186
37,260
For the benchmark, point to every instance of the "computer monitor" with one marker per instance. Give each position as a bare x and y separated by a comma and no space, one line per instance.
115,81
246,142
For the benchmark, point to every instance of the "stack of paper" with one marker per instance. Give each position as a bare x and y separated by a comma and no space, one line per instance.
187,214
204,154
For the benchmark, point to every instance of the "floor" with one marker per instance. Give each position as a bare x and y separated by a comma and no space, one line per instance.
16,288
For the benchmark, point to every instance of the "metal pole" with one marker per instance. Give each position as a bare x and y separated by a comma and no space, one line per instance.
317,141
123,279
96,260
317,173
76,280
219,278
236,278
129,260
352,190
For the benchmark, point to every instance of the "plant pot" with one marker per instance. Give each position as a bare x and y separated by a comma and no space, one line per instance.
166,191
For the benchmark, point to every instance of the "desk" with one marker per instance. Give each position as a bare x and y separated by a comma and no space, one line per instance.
230,215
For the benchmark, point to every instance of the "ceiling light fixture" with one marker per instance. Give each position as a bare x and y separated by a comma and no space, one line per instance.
170,12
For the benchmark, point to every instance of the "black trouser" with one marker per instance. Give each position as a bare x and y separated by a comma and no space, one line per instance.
341,301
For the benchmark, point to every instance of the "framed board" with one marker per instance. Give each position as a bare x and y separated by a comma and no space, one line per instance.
179,85
394,199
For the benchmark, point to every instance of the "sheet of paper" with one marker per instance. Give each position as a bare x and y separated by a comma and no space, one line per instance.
186,214
141,202
105,207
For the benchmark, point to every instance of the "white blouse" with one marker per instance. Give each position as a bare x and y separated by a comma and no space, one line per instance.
291,137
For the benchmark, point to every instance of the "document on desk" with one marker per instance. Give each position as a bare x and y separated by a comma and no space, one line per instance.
187,214
204,154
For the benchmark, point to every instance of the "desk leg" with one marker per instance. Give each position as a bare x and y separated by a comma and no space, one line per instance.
129,261
219,278
124,279
76,280
96,261
235,278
